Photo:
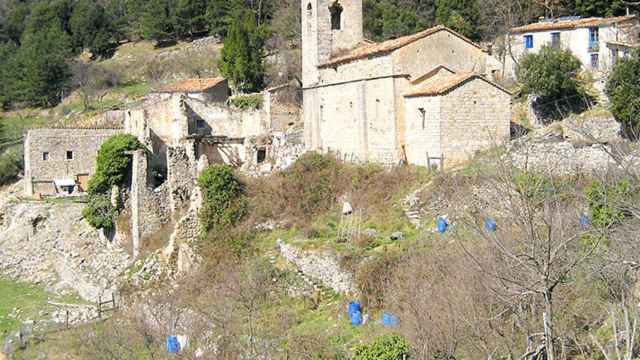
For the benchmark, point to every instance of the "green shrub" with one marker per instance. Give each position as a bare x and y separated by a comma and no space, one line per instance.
112,163
623,89
223,203
247,101
10,165
606,202
531,186
99,212
386,347
550,73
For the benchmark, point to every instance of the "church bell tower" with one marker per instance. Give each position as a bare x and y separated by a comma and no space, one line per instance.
328,28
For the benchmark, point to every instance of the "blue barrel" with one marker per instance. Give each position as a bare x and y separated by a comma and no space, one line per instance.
443,225
585,221
173,345
390,320
356,318
490,225
354,306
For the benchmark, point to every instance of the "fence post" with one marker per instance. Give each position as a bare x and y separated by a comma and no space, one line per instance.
67,320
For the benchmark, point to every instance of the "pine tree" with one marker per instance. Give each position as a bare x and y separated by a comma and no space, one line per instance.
241,58
39,68
157,23
604,8
90,27
189,16
218,16
462,16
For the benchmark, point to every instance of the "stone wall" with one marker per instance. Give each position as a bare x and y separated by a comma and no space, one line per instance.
84,145
322,266
475,117
422,139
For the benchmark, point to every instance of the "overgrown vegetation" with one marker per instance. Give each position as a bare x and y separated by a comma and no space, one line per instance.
223,204
253,101
112,167
623,89
387,347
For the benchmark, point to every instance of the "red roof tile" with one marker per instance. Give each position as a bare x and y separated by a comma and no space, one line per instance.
446,84
389,46
570,24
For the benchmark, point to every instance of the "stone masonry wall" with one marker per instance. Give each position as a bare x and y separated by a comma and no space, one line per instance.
474,117
84,143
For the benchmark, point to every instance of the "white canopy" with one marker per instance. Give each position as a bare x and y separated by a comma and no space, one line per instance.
64,182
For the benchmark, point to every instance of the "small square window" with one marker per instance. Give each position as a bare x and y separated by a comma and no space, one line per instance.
595,61
45,156
555,40
201,124
261,156
528,41
69,155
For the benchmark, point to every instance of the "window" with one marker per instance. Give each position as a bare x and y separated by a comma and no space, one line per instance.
594,39
201,124
423,117
614,56
595,61
555,40
69,155
45,156
336,16
309,10
262,155
528,41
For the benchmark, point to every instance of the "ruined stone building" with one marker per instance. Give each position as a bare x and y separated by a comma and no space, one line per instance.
58,161
363,99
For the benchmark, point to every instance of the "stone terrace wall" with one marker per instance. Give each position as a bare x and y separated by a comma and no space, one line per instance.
84,143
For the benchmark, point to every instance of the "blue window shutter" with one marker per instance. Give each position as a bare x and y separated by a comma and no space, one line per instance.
528,41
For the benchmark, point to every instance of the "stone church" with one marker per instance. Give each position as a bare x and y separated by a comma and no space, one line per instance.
415,99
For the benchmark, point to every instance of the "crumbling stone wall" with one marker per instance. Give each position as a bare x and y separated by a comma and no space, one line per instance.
42,170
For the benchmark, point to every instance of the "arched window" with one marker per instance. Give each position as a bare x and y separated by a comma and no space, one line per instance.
336,16
309,9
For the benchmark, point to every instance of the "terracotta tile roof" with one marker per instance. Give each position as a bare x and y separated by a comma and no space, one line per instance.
571,24
372,49
431,73
446,84
192,85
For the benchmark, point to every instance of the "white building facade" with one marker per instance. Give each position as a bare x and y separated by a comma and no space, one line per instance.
597,42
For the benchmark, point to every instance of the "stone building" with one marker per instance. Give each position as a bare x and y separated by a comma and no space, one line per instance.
448,106
209,90
61,161
353,89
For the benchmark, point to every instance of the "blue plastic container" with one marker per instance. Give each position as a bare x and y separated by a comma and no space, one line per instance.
443,225
354,306
390,320
356,318
490,225
173,345
585,222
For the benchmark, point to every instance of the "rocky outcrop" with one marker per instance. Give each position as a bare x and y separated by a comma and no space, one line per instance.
52,245
319,265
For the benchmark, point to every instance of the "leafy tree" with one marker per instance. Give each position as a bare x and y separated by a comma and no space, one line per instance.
623,89
222,203
99,212
386,347
241,59
46,14
39,69
462,16
157,22
605,202
550,73
112,162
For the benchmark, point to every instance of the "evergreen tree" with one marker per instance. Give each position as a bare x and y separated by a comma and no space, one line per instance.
218,16
39,68
241,58
393,18
189,16
46,14
462,16
90,27
603,8
7,51
157,23
17,13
